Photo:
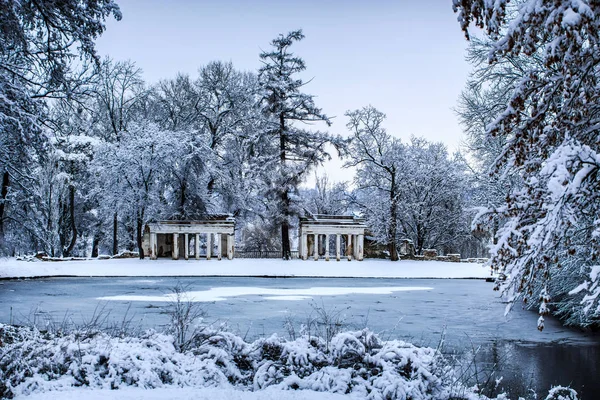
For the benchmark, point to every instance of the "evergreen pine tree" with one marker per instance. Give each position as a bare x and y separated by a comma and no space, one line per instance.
283,104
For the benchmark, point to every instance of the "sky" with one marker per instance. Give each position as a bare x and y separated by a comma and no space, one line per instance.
406,58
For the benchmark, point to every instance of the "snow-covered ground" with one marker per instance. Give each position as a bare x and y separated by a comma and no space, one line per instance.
184,394
12,268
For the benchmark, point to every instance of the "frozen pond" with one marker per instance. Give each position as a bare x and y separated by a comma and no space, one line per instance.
467,313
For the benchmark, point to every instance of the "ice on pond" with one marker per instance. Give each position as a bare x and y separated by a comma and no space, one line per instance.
287,298
222,293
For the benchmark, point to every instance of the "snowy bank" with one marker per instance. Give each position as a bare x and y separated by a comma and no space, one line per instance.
12,268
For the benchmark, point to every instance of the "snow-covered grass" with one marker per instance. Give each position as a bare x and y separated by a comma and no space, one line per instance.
370,268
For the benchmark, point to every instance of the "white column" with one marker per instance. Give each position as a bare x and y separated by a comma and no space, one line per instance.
208,245
355,246
337,247
219,250
326,247
316,246
304,241
361,245
186,246
230,247
349,247
197,247
153,246
176,246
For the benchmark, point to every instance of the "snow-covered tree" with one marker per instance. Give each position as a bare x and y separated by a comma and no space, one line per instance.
326,197
294,150
73,147
219,110
119,95
39,45
129,172
486,94
119,92
378,158
230,122
21,143
175,102
431,207
551,128
409,191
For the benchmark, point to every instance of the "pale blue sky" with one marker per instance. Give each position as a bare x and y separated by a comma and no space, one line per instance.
404,57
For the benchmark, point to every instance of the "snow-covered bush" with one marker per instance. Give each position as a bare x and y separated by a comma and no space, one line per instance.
32,361
562,393
185,315
358,363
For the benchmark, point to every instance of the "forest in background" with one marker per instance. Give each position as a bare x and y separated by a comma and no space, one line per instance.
118,153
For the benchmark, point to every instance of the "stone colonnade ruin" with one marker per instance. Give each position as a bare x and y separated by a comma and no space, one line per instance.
317,231
170,238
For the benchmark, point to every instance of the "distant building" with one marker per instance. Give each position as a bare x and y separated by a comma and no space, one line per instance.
317,231
211,237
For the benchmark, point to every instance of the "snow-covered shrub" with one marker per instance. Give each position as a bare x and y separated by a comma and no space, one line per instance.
184,314
358,363
325,323
278,359
227,352
32,361
562,393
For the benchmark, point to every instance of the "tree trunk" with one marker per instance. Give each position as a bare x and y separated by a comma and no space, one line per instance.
182,202
394,220
61,223
95,244
4,194
69,250
139,236
115,234
420,239
210,187
286,252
